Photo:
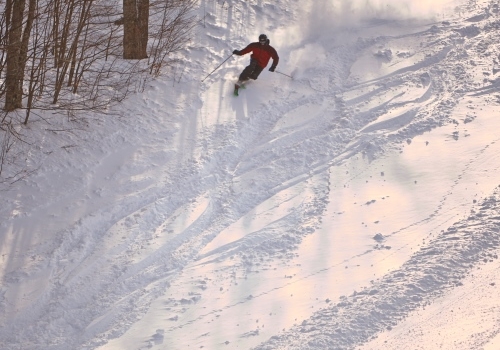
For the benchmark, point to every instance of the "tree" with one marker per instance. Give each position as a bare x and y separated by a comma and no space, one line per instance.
173,22
135,28
17,50
68,56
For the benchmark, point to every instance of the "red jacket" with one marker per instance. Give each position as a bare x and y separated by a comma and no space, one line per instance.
261,53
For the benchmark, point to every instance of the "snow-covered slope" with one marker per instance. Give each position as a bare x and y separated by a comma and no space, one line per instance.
344,208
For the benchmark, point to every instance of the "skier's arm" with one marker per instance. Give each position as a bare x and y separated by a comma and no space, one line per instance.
247,49
276,59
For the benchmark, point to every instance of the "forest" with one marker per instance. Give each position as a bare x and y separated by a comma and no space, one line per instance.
76,57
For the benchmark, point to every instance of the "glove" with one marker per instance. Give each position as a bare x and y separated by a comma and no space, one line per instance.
272,68
236,52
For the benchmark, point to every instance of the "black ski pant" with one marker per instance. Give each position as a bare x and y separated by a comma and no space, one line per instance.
252,71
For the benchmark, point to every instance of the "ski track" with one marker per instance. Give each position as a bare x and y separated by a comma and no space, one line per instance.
437,267
106,270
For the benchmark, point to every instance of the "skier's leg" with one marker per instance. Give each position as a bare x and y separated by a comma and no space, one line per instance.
245,75
247,72
256,72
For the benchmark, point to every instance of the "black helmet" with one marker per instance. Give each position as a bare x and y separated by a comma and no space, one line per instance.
262,38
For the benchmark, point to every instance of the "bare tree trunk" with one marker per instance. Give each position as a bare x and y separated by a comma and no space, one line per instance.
14,72
82,23
65,34
23,54
55,30
135,28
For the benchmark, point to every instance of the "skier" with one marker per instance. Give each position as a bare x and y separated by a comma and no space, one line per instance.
262,52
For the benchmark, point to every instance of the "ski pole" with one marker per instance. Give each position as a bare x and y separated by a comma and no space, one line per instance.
217,67
286,75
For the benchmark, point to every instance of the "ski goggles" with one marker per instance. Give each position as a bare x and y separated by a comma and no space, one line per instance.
262,41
